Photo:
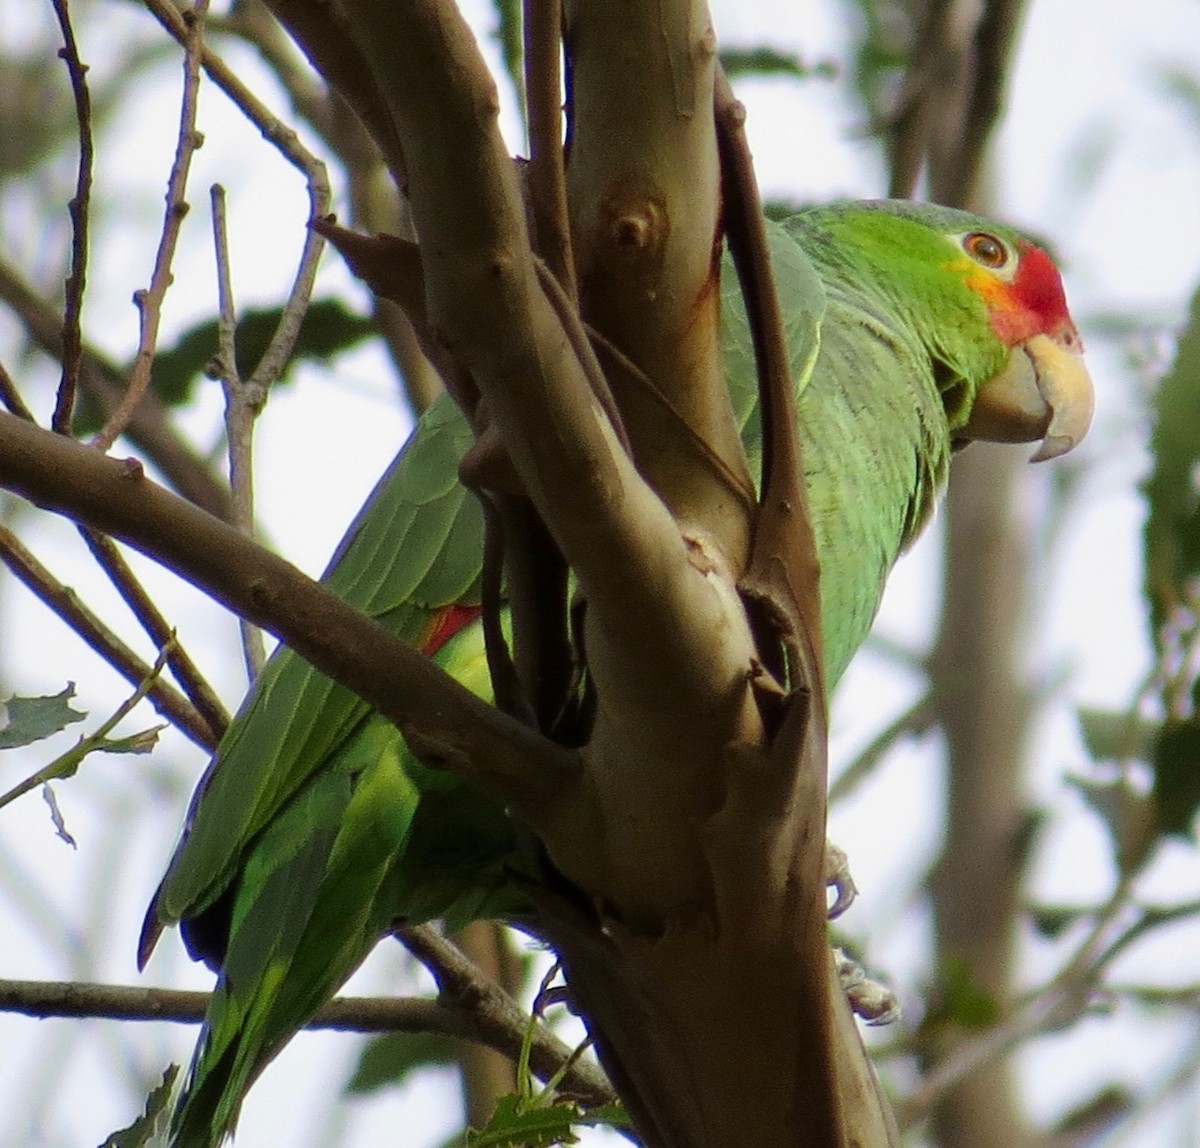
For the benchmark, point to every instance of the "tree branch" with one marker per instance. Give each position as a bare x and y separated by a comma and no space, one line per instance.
66,604
492,1021
462,988
150,618
150,429
79,209
446,723
149,300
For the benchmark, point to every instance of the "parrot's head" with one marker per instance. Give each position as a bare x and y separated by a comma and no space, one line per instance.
1007,355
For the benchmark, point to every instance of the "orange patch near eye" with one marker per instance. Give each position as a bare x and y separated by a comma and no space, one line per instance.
1033,303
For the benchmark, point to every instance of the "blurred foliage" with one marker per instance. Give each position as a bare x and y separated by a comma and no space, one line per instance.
880,56
1183,87
763,60
957,999
1172,535
1171,544
329,328
389,1060
1177,776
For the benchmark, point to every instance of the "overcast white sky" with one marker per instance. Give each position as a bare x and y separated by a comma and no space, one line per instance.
1086,86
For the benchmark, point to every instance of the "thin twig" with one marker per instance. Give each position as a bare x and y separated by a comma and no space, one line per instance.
150,429
79,210
121,1002
243,403
342,1014
461,986
66,604
160,631
11,397
67,764
1053,1006
149,301
311,99
915,720
288,144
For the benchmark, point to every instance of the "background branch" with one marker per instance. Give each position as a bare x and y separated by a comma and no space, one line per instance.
203,730
492,1020
149,301
150,428
79,208
446,721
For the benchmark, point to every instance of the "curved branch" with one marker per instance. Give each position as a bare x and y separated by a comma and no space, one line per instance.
498,1024
150,429
451,727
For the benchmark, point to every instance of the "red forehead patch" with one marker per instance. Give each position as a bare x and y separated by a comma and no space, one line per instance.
1038,286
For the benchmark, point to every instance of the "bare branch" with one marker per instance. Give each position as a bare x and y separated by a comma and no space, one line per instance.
463,988
150,429
317,27
79,210
288,144
10,396
66,604
243,403
547,175
494,1021
149,301
444,722
150,618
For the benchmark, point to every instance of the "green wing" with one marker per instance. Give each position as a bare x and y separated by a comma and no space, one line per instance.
413,550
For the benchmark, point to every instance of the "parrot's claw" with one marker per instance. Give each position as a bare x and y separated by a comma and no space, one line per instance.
871,1000
837,878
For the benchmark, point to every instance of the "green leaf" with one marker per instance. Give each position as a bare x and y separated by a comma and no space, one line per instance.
150,1127
328,328
1051,921
1127,814
1176,790
513,1125
1172,534
142,742
1112,735
518,1124
33,719
390,1059
510,35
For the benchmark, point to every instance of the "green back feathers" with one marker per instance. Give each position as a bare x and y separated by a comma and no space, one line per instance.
888,346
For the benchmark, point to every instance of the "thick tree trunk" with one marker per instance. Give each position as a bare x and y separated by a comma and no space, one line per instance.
983,708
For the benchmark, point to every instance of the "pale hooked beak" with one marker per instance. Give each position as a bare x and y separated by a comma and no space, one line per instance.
1044,393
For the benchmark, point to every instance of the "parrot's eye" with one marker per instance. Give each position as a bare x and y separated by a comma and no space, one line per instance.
985,249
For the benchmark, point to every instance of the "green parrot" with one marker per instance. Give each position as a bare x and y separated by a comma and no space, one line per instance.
911,329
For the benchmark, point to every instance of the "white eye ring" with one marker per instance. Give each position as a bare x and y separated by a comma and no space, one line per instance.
989,251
